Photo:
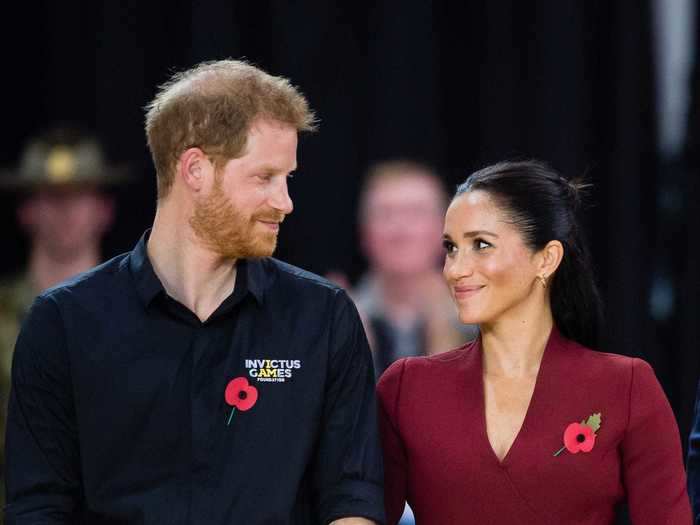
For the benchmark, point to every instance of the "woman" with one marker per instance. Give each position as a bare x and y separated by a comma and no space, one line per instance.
526,425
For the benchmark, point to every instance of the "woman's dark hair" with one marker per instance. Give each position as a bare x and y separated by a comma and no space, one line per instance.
544,206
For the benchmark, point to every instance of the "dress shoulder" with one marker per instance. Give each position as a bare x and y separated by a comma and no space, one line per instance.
451,355
416,370
603,366
637,370
416,364
389,382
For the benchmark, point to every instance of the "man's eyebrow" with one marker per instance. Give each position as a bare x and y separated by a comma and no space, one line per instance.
275,169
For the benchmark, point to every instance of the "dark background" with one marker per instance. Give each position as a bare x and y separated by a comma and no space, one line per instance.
455,84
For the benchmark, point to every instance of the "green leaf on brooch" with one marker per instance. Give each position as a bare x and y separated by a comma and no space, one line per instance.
593,421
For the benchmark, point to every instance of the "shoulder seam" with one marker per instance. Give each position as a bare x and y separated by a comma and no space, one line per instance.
51,298
284,267
629,395
398,392
449,355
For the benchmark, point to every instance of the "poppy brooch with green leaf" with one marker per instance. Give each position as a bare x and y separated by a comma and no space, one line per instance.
580,437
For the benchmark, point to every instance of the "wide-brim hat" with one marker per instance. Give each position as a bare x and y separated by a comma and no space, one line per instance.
63,158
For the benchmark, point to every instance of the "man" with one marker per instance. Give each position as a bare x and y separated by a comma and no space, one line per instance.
65,212
403,298
197,380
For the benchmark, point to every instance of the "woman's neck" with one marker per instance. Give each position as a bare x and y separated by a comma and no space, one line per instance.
513,346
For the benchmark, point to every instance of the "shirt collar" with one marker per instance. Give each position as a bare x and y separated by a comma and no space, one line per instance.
148,286
255,278
249,277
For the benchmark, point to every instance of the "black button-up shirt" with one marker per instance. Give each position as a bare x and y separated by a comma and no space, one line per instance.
123,408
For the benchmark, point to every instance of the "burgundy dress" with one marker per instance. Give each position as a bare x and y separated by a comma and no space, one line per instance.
438,458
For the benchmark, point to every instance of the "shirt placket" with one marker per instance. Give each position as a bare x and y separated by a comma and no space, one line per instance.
211,354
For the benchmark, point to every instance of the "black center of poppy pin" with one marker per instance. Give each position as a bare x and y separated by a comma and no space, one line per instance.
243,394
580,438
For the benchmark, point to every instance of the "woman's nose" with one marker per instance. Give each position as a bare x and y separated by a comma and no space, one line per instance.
458,267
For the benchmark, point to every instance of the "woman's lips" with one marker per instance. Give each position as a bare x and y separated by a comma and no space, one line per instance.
465,291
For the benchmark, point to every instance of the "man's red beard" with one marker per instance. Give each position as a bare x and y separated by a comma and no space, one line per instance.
229,233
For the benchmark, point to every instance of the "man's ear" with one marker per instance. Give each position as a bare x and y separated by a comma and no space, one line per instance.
193,168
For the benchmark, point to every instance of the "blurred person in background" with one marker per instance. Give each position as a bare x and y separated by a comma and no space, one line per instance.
65,211
403,299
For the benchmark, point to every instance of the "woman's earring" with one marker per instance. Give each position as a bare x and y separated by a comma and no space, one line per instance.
543,280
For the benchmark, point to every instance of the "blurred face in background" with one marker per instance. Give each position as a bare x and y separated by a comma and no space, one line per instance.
401,224
63,222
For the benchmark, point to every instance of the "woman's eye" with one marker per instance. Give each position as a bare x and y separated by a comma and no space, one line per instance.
449,247
480,244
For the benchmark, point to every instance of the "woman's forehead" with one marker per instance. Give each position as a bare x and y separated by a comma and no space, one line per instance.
477,210
474,205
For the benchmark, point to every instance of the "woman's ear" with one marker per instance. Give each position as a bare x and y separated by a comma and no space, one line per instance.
551,256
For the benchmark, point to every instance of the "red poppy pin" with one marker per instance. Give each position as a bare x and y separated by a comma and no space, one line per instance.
240,395
580,437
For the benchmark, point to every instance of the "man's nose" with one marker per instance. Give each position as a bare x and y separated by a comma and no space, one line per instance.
280,199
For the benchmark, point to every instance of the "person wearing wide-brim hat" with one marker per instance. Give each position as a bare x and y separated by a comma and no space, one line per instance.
61,180
61,158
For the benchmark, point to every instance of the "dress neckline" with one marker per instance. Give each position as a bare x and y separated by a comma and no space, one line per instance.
531,414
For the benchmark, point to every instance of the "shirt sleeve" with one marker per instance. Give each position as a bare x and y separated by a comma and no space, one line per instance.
43,480
694,461
654,476
395,460
347,471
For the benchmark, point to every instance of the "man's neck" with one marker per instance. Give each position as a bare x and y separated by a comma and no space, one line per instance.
191,273
46,270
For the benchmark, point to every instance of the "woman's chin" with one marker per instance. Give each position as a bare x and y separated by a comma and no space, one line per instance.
470,317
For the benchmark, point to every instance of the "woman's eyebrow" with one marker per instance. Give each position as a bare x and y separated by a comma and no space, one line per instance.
477,233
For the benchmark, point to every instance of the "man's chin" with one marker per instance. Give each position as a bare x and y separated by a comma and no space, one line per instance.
259,254
267,249
259,249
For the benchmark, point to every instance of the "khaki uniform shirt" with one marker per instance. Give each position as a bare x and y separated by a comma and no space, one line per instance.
16,296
